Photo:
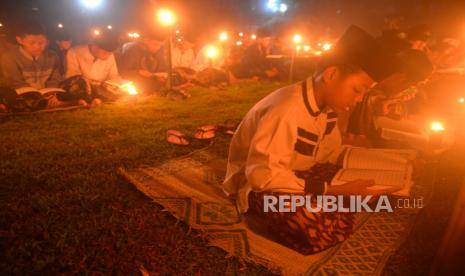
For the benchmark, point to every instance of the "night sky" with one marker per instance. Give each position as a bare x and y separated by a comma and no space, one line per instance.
200,17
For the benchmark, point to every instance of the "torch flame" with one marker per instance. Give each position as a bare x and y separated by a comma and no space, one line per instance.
297,38
212,52
223,36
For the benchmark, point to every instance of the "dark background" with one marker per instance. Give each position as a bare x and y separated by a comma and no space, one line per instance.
199,17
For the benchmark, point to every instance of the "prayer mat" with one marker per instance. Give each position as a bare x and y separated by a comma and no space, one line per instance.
189,187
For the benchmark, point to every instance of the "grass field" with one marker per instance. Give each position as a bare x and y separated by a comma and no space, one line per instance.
64,209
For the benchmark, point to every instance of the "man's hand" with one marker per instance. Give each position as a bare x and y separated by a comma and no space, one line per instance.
360,187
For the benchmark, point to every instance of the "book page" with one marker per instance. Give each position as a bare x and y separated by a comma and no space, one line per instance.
51,89
118,83
415,140
382,178
364,158
399,125
23,90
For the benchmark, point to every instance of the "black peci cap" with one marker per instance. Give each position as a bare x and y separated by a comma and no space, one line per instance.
357,47
106,40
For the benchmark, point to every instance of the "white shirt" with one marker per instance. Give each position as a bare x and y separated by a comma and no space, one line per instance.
284,132
182,59
203,62
79,61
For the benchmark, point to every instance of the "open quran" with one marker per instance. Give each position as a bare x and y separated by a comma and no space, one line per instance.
387,167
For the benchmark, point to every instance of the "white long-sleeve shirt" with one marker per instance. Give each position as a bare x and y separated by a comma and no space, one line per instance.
79,61
284,132
182,59
203,62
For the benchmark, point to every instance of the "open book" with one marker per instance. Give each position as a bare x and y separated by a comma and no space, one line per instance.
118,84
403,131
387,167
43,91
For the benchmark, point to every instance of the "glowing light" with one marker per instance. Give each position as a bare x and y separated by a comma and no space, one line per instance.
307,48
461,100
91,3
223,36
282,8
96,32
319,44
327,46
179,39
437,126
60,25
253,37
297,38
132,89
318,53
1,25
298,48
241,34
178,31
131,35
136,35
239,43
212,52
109,27
272,5
166,17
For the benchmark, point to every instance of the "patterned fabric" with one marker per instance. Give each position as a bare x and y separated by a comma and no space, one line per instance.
189,187
304,231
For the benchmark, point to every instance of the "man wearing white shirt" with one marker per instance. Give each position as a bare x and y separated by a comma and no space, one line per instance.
95,63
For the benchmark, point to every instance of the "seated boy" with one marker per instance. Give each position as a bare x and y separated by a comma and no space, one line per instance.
295,128
254,63
94,63
145,63
29,65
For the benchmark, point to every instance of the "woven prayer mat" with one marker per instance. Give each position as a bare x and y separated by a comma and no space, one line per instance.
189,188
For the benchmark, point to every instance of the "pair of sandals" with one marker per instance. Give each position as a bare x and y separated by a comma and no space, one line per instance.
206,132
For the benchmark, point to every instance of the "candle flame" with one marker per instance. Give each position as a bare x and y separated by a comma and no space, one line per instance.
132,89
437,126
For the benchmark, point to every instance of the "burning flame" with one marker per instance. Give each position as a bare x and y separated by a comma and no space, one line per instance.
223,36
132,89
297,38
166,17
437,126
212,52
327,46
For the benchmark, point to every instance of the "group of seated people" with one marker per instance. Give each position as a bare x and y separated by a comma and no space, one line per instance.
82,73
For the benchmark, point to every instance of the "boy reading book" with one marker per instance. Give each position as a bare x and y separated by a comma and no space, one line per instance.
31,64
294,128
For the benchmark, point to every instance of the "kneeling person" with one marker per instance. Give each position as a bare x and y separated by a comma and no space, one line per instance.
295,128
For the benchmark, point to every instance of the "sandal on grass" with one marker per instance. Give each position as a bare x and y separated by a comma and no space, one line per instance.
176,137
205,132
229,126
